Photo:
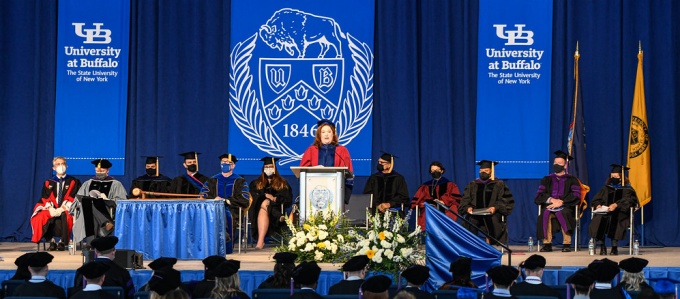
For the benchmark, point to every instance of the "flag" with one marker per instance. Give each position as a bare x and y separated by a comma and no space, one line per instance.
576,141
639,161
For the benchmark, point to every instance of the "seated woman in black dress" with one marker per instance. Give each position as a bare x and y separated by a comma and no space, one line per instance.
269,192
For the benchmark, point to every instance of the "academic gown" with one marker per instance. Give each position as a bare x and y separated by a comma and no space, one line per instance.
528,289
151,183
330,156
613,224
44,288
203,289
441,189
98,294
346,287
116,276
283,196
612,293
181,184
480,194
388,188
114,191
48,201
418,293
564,187
306,294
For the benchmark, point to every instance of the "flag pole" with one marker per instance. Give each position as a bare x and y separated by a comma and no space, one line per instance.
642,209
571,141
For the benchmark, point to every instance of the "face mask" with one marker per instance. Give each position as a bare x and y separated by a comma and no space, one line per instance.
225,167
484,176
436,174
150,171
380,167
61,169
192,168
558,168
615,181
269,171
101,175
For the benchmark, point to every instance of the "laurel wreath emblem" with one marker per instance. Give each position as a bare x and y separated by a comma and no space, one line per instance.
248,116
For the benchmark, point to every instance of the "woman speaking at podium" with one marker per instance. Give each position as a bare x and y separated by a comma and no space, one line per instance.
325,151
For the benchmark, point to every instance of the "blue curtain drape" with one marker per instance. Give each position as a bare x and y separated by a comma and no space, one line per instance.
424,105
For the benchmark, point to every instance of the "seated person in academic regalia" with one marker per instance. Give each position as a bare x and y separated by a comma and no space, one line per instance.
151,181
203,288
22,272
51,216
228,282
162,264
533,285
388,187
306,274
191,182
582,283
605,270
633,278
166,284
95,205
502,277
94,273
416,276
38,285
354,272
438,188
117,276
375,287
461,270
270,191
283,271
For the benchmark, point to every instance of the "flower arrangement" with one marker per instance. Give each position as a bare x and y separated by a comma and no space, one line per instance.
387,243
322,238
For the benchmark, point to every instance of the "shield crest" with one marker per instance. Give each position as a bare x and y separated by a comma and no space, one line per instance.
278,76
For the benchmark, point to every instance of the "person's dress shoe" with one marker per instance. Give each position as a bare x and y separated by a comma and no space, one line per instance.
546,248
53,246
615,251
603,250
566,248
61,246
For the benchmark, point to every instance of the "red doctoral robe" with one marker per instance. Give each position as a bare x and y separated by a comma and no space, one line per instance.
41,211
444,190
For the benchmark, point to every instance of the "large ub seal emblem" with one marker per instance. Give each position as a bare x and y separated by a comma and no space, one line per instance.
301,71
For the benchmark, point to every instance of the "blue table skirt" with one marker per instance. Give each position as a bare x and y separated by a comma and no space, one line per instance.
185,229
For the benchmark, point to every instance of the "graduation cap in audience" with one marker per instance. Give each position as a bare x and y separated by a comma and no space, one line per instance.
664,286
39,259
104,243
488,164
162,263
227,268
102,163
325,122
563,155
22,261
93,269
462,266
211,264
388,157
503,275
285,257
633,264
376,284
582,277
306,273
229,157
533,262
605,269
416,274
153,160
356,263
164,281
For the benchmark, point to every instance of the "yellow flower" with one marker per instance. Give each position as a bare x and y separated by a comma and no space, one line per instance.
381,235
370,254
321,245
306,226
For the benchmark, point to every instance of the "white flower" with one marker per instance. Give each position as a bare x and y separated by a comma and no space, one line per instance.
405,252
322,235
371,235
400,239
389,253
309,247
311,237
378,259
323,227
334,248
341,239
301,241
388,235
397,259
363,250
385,244
300,235
292,240
291,247
318,255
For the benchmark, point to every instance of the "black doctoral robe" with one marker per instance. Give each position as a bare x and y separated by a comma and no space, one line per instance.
480,194
98,294
307,294
527,289
612,293
181,184
613,224
116,276
39,289
346,287
283,196
203,289
150,183
388,188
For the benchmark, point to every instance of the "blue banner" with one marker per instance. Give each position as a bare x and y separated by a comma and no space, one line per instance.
294,63
513,86
92,78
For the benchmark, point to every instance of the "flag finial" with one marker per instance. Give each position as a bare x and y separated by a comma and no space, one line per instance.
576,49
639,46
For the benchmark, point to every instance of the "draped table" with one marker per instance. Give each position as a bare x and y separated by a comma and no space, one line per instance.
185,229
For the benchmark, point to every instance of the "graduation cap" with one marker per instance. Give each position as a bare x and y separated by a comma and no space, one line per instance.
616,168
605,269
162,263
191,156
461,266
22,261
211,264
104,243
533,262
93,269
356,263
582,277
376,284
285,257
39,259
503,275
388,157
227,268
664,286
563,155
153,160
164,281
416,274
270,161
633,264
325,122
306,273
102,163
488,164
229,157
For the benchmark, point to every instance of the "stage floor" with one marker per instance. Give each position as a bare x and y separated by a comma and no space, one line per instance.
664,257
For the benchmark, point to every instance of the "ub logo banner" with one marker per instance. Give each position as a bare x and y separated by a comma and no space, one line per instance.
513,86
294,63
92,75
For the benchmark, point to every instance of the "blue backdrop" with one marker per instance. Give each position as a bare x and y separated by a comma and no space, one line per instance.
424,94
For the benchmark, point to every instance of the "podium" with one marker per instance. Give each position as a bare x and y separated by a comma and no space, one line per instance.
321,188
